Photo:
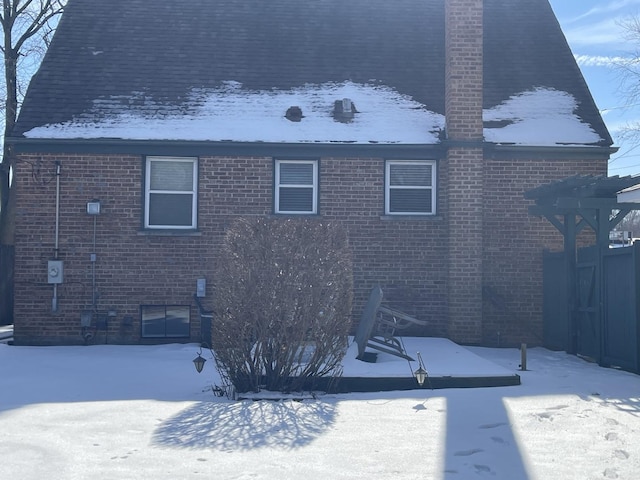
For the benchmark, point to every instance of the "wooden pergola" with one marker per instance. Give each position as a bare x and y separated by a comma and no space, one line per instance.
571,205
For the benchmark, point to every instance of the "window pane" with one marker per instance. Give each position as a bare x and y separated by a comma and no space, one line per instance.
410,201
410,175
153,323
296,200
165,321
170,209
177,321
296,173
173,176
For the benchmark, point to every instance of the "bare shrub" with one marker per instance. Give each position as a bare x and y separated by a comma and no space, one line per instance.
283,302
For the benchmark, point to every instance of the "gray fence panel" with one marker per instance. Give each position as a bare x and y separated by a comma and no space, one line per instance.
620,323
555,311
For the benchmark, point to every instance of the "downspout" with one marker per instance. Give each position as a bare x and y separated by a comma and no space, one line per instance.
94,295
54,301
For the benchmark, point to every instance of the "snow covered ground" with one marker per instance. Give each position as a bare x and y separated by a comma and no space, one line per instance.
123,412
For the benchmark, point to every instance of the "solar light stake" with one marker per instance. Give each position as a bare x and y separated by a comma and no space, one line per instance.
523,356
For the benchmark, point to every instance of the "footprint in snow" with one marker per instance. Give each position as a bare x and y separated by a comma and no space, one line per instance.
621,454
610,473
466,453
482,469
544,416
493,425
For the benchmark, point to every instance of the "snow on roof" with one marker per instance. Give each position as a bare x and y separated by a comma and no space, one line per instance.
542,117
234,114
630,195
230,113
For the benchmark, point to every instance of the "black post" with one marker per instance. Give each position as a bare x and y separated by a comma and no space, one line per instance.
570,265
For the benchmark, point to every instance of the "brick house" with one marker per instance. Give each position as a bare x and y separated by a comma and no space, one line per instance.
417,125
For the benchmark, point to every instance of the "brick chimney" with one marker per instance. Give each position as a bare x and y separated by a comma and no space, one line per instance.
463,70
464,166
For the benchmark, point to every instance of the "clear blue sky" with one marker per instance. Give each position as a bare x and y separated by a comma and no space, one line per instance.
594,32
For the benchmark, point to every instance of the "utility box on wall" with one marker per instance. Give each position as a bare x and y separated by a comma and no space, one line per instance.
201,287
85,318
54,271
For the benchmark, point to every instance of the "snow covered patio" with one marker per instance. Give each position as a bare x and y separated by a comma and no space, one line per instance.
448,365
120,412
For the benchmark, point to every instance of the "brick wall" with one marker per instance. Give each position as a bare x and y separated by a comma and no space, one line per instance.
406,256
131,269
514,242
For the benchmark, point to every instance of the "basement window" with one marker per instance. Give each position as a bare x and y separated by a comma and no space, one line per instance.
165,321
171,193
296,186
410,187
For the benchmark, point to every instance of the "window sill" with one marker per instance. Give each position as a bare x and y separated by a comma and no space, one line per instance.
295,215
170,233
429,218
164,340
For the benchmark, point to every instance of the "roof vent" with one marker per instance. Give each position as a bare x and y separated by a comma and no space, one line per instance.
294,114
344,110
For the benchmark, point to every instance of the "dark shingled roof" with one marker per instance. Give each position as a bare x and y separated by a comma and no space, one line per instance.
165,49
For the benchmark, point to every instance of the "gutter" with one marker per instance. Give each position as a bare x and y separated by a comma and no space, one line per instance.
559,152
184,147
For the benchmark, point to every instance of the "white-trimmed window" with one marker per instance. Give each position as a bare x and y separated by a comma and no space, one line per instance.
296,186
171,196
410,187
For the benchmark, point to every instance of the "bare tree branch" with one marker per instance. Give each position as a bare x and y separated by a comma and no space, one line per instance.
628,68
48,10
26,28
284,296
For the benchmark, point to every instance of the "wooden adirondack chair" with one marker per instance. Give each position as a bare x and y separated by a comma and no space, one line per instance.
378,326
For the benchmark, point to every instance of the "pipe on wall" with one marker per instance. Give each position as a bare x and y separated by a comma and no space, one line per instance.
93,258
54,300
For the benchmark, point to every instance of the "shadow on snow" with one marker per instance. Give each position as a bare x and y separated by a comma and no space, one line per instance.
246,425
